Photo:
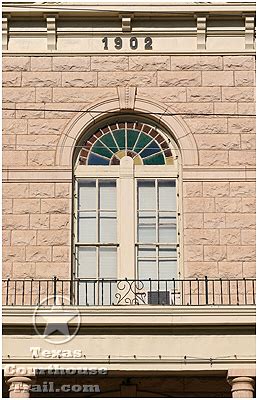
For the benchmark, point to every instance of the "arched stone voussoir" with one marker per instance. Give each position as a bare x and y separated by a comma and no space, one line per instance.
174,125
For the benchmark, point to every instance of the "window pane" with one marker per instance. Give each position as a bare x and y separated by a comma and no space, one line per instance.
107,195
146,195
167,269
107,262
167,195
168,252
87,227
87,195
167,230
107,227
87,292
146,227
87,262
147,252
147,269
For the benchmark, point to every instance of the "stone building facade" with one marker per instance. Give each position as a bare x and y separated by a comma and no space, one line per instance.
190,71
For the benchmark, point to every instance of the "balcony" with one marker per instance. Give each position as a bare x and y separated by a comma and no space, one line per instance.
129,292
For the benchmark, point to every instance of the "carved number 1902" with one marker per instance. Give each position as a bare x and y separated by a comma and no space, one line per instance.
133,42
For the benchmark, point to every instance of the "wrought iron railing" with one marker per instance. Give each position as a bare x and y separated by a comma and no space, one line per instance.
107,292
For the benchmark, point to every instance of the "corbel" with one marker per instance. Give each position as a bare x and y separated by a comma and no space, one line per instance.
51,30
249,31
201,25
5,30
126,22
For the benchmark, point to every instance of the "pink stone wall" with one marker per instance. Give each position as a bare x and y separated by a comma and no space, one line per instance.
218,214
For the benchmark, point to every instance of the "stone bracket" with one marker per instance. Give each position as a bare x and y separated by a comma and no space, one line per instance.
249,31
5,30
126,22
201,25
51,30
126,96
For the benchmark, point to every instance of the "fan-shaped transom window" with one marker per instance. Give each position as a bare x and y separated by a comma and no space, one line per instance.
144,143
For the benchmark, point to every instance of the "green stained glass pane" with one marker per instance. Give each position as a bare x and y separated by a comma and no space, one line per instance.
142,142
109,142
131,138
157,159
99,148
119,136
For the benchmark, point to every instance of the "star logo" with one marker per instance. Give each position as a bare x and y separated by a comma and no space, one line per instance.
60,322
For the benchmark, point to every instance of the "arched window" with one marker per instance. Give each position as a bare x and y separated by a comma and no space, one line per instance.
126,208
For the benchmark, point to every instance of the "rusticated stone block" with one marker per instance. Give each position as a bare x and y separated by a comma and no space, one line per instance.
14,127
44,95
41,158
12,158
11,78
178,78
237,220
225,108
56,206
244,63
13,253
149,63
242,189
108,79
248,205
246,108
109,63
244,78
41,64
249,269
63,110
192,189
63,190
212,157
26,206
207,125
47,270
39,221
163,94
238,94
242,158
38,253
218,141
24,270
16,63
8,142
201,236
192,108
215,253
204,94
229,236
30,110
241,125
11,222
6,238
15,190
217,78
44,79
193,253
248,237
214,220
79,79
197,269
248,142
37,142
23,237
7,206
60,221
241,253
199,204
19,95
46,126
228,205
71,63
7,269
88,95
61,253
196,63
8,112
53,237
230,269
41,190
193,220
